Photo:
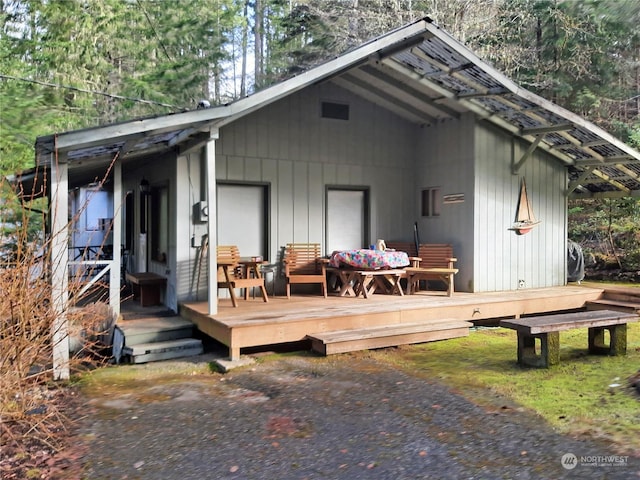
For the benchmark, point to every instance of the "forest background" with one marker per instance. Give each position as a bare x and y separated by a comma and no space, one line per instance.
69,64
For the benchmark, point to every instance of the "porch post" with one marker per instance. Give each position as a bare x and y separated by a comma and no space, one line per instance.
210,152
116,233
60,266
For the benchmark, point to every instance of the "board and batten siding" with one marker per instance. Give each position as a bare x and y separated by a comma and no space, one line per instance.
190,189
445,160
300,154
502,259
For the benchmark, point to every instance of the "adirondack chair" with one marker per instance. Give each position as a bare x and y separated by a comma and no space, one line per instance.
233,273
434,262
303,264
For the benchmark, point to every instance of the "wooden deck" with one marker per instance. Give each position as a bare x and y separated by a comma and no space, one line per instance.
255,323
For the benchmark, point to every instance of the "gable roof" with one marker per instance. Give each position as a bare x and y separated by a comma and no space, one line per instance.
417,71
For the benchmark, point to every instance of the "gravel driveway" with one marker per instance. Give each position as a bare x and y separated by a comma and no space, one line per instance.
343,417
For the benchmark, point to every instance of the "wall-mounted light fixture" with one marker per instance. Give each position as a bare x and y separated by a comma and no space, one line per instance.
145,188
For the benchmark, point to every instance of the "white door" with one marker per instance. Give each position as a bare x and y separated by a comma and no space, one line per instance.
346,219
242,218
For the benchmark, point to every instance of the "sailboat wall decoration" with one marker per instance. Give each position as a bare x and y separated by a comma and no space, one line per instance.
525,218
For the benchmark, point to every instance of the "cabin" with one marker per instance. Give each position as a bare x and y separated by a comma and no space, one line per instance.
410,133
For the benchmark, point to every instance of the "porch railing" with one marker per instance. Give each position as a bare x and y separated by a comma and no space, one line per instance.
88,265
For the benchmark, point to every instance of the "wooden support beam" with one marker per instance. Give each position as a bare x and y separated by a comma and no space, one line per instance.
478,87
617,161
210,152
389,100
116,231
576,183
515,169
611,181
628,172
60,266
546,129
386,75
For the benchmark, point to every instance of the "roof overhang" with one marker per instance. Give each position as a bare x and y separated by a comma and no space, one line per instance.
419,72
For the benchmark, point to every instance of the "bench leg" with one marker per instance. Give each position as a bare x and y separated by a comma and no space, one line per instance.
135,288
394,284
549,349
149,295
450,285
368,285
617,340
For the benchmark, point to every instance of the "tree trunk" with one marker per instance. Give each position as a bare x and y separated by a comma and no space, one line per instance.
245,35
610,234
259,12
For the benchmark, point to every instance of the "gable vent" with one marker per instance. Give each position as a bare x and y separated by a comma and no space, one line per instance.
338,111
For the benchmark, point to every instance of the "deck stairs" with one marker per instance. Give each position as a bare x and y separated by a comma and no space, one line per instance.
342,341
617,298
157,338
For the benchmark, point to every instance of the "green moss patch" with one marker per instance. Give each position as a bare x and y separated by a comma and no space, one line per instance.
127,379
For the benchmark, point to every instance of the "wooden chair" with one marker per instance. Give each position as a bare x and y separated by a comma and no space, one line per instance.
434,262
303,264
408,247
233,274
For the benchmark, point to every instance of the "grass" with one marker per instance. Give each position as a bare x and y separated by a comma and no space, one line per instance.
578,397
129,379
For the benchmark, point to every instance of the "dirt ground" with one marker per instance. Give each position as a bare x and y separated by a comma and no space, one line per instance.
306,417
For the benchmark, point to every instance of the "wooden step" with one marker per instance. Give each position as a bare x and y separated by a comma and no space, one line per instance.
609,304
631,295
155,330
341,341
153,352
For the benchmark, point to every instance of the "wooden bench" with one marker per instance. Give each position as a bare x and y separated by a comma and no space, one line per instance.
147,287
434,262
408,247
546,328
368,282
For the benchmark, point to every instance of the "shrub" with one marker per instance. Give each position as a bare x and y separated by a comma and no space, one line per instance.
33,416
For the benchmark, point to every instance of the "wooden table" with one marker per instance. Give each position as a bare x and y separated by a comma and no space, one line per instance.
546,328
368,282
252,268
365,259
231,282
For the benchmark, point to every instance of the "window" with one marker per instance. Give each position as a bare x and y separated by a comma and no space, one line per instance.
430,202
338,111
159,217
